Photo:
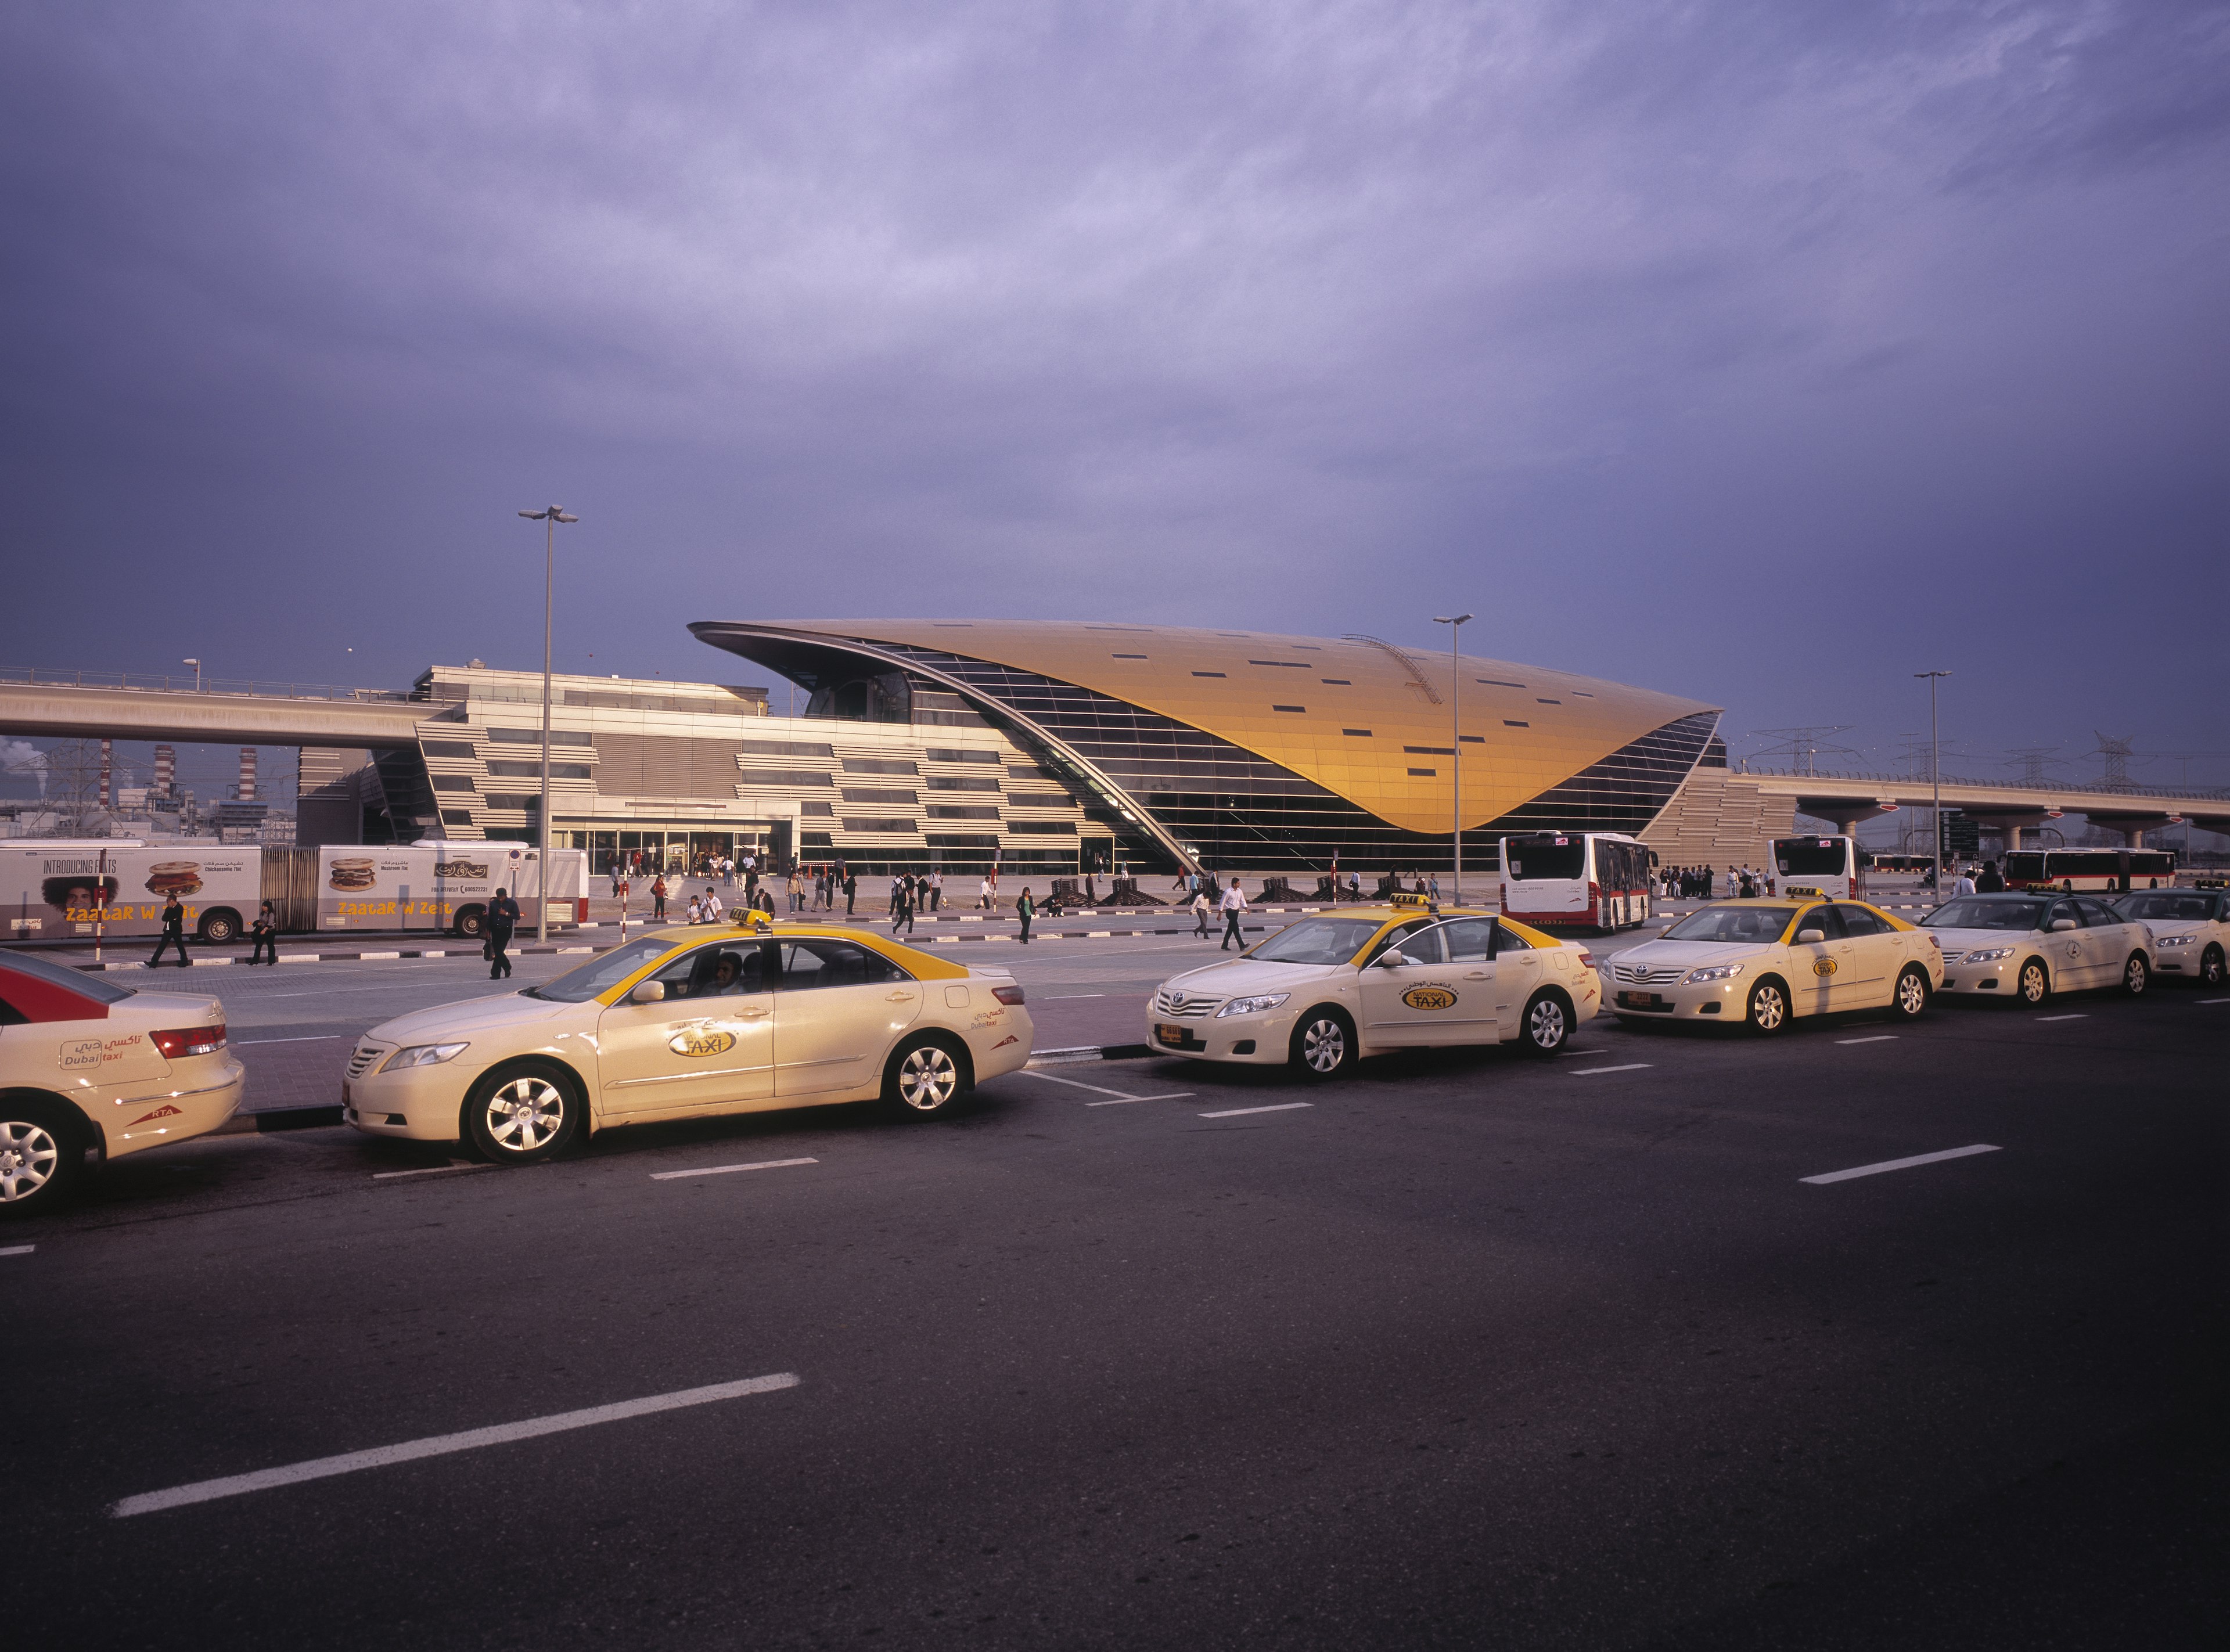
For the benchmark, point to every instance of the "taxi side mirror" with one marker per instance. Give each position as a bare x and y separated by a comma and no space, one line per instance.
651,992
2061,925
1810,937
1391,959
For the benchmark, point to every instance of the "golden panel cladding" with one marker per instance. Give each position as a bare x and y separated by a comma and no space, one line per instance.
1361,718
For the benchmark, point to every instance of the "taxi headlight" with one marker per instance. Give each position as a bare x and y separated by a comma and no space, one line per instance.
1251,1006
1988,956
1716,971
422,1055
2173,940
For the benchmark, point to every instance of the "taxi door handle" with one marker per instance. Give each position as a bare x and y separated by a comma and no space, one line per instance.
900,998
753,1015
1481,975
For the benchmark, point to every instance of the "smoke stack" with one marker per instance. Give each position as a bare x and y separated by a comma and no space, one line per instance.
166,764
107,790
248,773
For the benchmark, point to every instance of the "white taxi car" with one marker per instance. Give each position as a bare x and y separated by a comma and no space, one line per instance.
1322,993
687,1022
2190,930
2027,946
87,1066
1760,963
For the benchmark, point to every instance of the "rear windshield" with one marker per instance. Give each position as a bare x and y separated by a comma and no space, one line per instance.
1527,859
2164,908
1808,857
1987,912
75,981
1748,925
602,975
1317,941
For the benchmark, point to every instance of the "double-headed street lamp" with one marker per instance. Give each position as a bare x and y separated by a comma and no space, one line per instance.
1935,779
553,516
1455,625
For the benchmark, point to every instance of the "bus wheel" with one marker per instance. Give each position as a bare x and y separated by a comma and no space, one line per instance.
469,922
219,927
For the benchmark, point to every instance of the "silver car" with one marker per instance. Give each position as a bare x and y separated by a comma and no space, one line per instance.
2028,947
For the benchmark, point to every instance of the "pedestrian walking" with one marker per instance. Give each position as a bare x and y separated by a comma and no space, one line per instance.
1026,909
265,931
658,900
1990,882
797,891
502,918
1433,887
1200,910
851,892
983,895
1234,904
174,933
693,912
902,906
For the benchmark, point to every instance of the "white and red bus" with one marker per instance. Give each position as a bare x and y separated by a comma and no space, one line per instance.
2074,869
1832,865
1596,880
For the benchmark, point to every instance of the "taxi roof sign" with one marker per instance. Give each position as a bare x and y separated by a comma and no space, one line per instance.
1806,891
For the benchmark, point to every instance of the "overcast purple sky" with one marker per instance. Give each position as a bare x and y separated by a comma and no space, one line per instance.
1764,353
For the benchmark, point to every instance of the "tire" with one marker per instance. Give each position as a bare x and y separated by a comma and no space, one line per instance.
469,922
1322,1046
924,1075
1910,1000
2034,985
524,1113
1768,1013
2136,975
1547,1027
41,1155
2212,970
220,928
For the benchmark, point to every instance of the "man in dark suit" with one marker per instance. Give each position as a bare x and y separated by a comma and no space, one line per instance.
502,919
174,932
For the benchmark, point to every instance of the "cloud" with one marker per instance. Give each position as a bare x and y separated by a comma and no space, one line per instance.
21,764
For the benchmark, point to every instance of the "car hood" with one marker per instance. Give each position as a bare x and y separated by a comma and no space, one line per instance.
1246,978
2171,926
470,1015
1691,954
1956,942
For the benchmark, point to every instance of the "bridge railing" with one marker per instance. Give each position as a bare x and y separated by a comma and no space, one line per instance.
2058,788
149,682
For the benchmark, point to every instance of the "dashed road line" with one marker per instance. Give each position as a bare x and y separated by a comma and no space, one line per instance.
1241,1112
1078,1083
293,1474
2042,1018
1879,1037
1630,1067
1125,1101
1900,1164
430,1170
2215,1001
729,1170
18,1250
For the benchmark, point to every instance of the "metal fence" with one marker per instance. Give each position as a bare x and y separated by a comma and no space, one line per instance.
148,683
2087,789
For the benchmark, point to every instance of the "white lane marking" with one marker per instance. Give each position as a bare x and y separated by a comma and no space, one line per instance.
308,1037
1879,1037
1239,1112
1125,1101
1900,1164
2215,1001
430,1170
1630,1067
18,1250
1579,1052
2041,1018
367,957
726,1170
1077,1083
204,1491
1055,998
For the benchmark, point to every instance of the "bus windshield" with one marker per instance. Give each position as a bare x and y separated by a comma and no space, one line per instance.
1547,856
1809,857
1317,941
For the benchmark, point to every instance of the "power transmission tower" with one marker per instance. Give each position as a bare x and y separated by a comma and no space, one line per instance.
1803,747
2032,760
2116,753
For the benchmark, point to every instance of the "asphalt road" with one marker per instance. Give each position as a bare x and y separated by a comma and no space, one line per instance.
1471,1351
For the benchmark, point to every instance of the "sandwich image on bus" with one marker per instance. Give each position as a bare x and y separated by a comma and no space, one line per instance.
1834,865
1595,880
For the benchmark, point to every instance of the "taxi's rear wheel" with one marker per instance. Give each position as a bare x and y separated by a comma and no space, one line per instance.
523,1114
1912,992
1548,1025
924,1075
2212,969
1768,1007
40,1155
1322,1046
2034,985
2136,975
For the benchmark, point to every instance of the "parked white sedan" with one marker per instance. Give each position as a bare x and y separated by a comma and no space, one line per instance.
2028,947
1759,963
2190,929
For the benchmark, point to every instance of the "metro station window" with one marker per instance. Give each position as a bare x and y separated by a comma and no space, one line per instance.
1359,733
1211,673
1338,682
1289,708
1512,723
1425,774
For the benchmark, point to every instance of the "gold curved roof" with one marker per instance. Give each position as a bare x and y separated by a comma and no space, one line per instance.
1359,717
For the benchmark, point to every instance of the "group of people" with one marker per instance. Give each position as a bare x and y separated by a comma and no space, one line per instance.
1230,900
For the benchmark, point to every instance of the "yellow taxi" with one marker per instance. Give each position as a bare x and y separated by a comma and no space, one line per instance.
1761,963
1321,994
687,1022
88,1066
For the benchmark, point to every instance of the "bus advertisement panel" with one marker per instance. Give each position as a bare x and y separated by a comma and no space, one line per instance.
61,889
1596,879
1830,865
444,886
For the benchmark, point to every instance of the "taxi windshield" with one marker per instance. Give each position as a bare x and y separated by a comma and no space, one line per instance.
2020,912
2164,908
600,974
1317,941
1743,925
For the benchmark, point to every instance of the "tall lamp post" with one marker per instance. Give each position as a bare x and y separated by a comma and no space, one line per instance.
196,665
552,516
1935,779
1455,625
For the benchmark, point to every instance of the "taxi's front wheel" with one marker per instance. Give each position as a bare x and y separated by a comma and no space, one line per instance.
923,1077
523,1114
1768,1007
1322,1046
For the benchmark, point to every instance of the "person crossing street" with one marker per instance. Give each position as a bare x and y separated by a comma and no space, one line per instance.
1233,905
1025,909
174,933
502,919
265,931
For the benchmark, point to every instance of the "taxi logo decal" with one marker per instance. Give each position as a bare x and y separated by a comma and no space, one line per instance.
1429,997
1823,966
700,1041
160,1113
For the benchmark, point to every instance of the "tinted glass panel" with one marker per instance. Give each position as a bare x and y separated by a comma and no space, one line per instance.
1858,921
807,964
1986,912
1753,925
1809,857
1826,919
1469,940
1536,858
1317,941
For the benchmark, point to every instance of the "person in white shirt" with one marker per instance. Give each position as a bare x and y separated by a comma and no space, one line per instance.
1964,886
695,912
1200,910
1734,881
983,895
711,906
1232,904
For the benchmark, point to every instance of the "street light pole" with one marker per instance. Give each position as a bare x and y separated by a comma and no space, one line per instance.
196,665
552,516
1935,779
1455,625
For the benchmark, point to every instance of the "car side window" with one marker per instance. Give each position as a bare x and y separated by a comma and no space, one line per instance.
724,968
1417,942
809,964
2064,909
1470,940
2096,914
1856,920
1822,918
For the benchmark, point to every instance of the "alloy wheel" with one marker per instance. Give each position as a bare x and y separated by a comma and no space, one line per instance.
928,1078
1545,1025
2135,976
1913,992
1323,1045
2034,985
525,1115
28,1156
1768,1009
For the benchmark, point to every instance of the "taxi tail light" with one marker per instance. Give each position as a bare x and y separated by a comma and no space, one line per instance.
1008,994
191,1041
1587,959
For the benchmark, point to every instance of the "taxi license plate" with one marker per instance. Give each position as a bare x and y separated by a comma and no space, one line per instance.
1170,1034
1641,1002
